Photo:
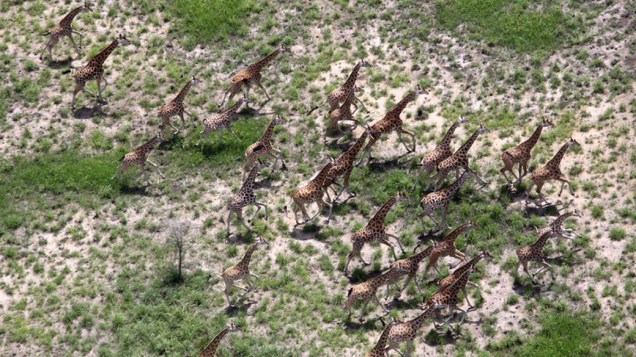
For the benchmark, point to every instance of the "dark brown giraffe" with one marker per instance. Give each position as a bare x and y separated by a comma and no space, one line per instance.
245,78
457,273
410,265
343,165
378,349
522,153
375,230
392,122
441,199
367,290
407,331
221,120
241,271
346,90
175,107
551,171
64,28
94,70
245,197
311,192
210,349
139,156
263,146
441,152
446,247
459,159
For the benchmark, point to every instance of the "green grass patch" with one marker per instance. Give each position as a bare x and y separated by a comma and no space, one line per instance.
522,25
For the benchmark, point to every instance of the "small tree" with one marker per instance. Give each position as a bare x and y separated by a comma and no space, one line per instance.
177,232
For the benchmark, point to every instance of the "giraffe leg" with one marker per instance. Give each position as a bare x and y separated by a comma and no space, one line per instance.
386,242
404,131
233,133
563,182
183,123
443,224
258,83
375,296
356,99
239,217
229,217
398,241
99,95
157,167
259,207
367,150
466,297
70,36
80,38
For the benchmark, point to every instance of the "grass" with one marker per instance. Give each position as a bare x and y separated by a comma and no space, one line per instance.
518,24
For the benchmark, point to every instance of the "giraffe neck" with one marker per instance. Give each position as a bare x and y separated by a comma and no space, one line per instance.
540,243
379,347
248,255
148,146
355,149
417,322
461,281
249,181
346,105
423,254
351,80
556,160
456,232
382,278
267,134
446,140
399,107
471,263
214,344
532,141
381,214
66,21
322,175
234,108
181,96
265,61
559,221
99,59
457,184
464,148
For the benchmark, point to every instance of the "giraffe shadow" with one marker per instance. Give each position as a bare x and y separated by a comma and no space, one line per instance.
386,165
526,289
87,112
430,236
438,338
359,275
135,190
236,309
59,64
366,325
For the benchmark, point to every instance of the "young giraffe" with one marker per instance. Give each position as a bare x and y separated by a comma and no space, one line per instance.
551,171
411,265
471,264
343,113
441,199
367,290
447,247
139,156
392,122
343,166
64,28
263,146
378,349
175,107
447,297
241,271
557,226
94,70
210,349
441,152
251,75
407,331
222,120
375,230
346,90
459,159
311,192
521,153
245,197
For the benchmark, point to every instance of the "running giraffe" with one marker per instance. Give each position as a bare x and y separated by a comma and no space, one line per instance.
64,28
210,349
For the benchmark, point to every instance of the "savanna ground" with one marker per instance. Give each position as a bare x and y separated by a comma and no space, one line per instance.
87,267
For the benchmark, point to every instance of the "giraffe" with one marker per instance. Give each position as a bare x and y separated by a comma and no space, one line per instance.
343,113
367,290
245,197
407,331
411,265
64,28
447,297
241,271
263,146
534,252
551,171
557,226
392,122
345,91
250,76
311,192
471,264
441,152
459,159
521,153
222,120
378,349
375,230
210,349
343,166
175,107
447,246
94,70
139,156
441,199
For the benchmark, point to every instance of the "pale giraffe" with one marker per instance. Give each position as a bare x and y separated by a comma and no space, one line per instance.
263,146
139,156
221,120
392,122
446,247
175,107
411,265
311,192
64,28
94,70
459,159
407,331
243,198
245,78
210,349
441,152
343,165
367,290
344,92
440,199
374,231
522,153
378,349
551,171
241,271
457,273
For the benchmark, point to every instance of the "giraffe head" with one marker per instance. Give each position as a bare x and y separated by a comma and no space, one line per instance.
462,120
470,225
86,7
363,63
572,142
122,40
279,120
282,48
419,90
546,123
261,241
576,213
401,196
194,80
160,137
482,129
485,254
231,327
